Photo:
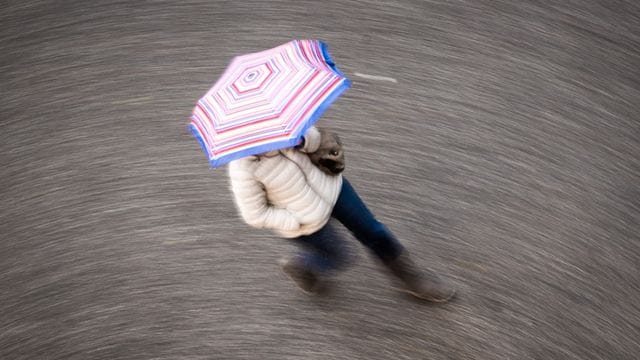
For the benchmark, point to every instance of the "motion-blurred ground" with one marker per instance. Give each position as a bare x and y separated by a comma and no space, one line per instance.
505,156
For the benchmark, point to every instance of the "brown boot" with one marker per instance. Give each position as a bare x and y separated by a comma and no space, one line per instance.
306,280
424,285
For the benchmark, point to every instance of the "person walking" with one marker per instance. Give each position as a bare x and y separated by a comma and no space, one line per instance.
286,192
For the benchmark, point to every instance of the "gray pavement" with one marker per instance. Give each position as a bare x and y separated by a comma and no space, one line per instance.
505,156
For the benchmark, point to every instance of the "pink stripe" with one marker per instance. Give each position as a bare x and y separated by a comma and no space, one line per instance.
231,148
315,103
284,109
299,119
204,136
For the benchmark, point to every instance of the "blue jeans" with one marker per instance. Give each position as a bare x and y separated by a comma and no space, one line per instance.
325,250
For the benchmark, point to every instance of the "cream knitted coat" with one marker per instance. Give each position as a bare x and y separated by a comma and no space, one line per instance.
283,190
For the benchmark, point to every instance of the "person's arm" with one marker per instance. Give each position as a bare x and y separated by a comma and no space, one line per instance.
252,202
310,141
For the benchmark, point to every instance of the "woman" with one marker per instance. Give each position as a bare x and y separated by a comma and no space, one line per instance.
285,192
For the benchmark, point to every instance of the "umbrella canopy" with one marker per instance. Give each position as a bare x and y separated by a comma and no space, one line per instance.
266,100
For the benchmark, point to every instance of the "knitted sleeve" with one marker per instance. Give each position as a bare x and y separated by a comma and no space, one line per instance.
253,205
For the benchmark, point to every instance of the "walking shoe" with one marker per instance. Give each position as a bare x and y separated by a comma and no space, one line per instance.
424,285
306,280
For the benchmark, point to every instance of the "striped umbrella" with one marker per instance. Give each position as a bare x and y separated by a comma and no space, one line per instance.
266,100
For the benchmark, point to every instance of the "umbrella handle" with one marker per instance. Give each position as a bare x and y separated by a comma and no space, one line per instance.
300,144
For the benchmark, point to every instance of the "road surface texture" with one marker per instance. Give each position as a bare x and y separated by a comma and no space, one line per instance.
505,155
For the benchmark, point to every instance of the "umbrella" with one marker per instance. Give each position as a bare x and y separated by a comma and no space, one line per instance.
266,100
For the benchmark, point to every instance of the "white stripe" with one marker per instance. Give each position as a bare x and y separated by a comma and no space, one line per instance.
375,77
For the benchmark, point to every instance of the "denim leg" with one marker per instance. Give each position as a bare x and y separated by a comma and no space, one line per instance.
323,250
351,211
